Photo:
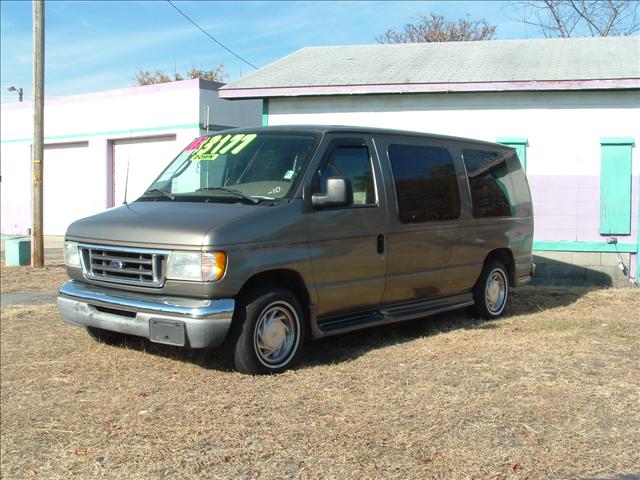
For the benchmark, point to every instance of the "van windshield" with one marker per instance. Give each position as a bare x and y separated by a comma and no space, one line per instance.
247,167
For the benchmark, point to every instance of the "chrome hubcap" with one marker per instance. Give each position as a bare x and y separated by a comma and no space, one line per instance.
496,291
276,334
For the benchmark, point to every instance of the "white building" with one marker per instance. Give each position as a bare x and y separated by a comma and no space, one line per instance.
571,107
92,140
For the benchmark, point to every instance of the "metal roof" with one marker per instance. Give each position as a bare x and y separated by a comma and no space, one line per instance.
547,64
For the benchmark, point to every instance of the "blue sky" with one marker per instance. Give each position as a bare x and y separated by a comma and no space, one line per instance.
93,46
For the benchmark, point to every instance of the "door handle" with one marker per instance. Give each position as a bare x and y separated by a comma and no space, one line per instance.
380,244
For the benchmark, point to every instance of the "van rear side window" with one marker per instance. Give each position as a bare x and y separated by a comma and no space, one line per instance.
489,182
426,184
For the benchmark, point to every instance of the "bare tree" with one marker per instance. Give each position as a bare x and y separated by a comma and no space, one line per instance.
579,18
144,77
436,28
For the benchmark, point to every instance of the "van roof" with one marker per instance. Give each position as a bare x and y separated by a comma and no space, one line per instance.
324,129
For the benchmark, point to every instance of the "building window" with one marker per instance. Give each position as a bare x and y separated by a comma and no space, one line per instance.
426,183
489,183
520,144
615,185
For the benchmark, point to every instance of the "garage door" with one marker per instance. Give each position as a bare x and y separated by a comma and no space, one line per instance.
145,158
69,192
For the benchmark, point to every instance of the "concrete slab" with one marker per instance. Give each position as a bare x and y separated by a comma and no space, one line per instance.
612,259
586,259
553,257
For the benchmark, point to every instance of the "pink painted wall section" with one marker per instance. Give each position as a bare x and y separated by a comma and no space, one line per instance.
567,208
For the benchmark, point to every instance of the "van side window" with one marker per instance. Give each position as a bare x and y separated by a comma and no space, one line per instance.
426,183
489,183
354,164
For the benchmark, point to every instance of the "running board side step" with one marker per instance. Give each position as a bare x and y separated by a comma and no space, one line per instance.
391,314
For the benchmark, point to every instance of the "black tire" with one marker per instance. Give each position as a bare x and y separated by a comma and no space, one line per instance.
105,336
491,291
268,331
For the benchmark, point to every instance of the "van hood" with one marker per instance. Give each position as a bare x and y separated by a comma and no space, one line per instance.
156,224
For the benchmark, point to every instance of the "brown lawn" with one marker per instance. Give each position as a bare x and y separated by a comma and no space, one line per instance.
550,391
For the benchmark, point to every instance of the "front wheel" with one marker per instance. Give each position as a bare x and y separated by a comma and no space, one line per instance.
491,291
269,331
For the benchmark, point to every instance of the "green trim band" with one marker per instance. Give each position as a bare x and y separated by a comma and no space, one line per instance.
265,112
111,132
617,141
569,246
513,140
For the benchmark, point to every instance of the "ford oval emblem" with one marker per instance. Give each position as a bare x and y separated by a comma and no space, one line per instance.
116,264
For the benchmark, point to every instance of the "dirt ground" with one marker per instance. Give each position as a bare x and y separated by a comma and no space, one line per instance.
550,391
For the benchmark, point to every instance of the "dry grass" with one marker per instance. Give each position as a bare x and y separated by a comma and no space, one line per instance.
46,279
550,391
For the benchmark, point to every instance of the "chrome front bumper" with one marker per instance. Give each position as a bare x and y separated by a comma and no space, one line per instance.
187,322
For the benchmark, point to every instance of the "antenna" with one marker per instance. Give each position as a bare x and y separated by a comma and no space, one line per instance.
126,183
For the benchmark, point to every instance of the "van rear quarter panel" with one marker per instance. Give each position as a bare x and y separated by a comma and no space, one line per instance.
479,236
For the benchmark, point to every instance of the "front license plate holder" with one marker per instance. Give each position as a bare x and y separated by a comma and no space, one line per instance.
169,332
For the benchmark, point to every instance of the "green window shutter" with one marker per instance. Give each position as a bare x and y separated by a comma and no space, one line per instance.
520,144
615,185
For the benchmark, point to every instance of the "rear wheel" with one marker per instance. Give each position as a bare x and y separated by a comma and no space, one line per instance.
269,331
491,291
105,336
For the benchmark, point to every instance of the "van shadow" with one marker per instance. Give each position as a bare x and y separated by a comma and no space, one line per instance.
210,359
341,348
524,301
555,272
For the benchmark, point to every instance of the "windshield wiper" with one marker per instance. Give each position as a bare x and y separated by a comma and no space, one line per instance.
232,191
163,192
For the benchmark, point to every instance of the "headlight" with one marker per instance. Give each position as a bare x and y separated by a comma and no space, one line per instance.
198,266
71,254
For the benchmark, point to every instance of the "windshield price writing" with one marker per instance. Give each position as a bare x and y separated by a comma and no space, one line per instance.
209,148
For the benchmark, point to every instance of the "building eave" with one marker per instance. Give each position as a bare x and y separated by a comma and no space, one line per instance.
533,85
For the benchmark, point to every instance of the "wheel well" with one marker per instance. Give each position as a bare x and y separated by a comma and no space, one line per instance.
504,256
289,279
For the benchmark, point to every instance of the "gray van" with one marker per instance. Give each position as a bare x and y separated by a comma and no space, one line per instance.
261,238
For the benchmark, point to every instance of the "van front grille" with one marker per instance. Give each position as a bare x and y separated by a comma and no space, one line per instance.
132,266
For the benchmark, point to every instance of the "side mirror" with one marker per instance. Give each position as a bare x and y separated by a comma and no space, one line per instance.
339,194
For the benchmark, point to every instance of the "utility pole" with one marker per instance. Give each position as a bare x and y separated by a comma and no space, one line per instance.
37,240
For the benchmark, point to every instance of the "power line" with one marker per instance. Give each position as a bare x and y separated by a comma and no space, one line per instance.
210,36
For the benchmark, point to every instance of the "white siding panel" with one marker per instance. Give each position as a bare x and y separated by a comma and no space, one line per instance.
15,170
145,158
563,128
69,184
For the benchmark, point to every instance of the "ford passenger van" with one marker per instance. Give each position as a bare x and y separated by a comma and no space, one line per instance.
262,238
